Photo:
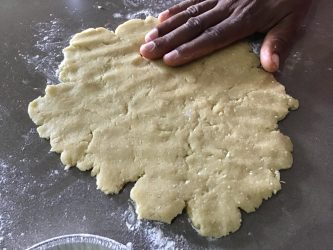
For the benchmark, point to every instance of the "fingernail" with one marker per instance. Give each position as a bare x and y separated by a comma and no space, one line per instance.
163,15
173,55
151,35
148,47
276,61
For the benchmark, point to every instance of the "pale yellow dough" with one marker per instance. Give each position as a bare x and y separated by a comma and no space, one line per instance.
202,137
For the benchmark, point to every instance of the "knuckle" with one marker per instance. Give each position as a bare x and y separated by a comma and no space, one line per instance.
194,23
193,10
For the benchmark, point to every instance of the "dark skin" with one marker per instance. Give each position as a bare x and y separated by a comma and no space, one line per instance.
195,28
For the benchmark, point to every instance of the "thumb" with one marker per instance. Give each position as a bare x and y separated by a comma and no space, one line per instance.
277,43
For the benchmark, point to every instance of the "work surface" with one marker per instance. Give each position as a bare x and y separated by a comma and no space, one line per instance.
39,199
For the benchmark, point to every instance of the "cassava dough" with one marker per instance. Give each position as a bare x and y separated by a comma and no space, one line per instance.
202,137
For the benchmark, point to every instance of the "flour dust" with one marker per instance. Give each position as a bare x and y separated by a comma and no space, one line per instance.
143,8
51,38
152,232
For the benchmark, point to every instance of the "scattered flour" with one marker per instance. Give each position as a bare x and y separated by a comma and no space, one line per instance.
3,180
1,239
152,232
143,8
28,139
5,206
4,113
51,37
54,172
293,60
18,188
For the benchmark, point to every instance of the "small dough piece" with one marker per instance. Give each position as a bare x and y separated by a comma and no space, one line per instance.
202,137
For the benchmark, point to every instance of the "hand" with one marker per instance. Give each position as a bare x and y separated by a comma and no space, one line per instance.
195,28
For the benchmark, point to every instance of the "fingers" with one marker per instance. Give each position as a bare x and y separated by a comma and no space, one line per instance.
176,9
277,43
183,34
211,40
179,19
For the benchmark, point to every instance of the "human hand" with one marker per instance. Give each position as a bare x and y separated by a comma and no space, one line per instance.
195,28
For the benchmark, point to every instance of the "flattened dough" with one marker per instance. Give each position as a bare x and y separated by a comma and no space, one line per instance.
202,137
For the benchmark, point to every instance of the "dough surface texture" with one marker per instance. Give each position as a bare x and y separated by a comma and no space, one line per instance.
201,137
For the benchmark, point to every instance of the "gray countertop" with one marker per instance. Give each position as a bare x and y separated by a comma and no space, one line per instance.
39,199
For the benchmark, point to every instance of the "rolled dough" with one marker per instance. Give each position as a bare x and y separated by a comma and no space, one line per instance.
202,137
